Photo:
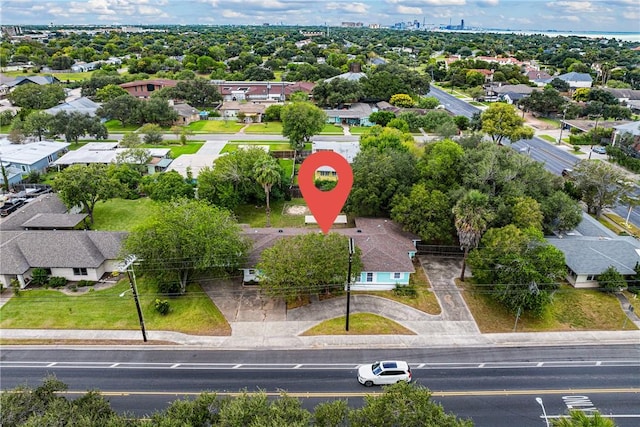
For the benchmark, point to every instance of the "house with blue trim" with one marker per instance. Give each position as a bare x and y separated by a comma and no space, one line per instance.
33,156
387,251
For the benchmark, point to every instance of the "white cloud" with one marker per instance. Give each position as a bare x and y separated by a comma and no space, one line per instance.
348,7
232,14
406,10
572,18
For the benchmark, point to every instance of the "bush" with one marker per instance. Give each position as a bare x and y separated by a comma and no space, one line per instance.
169,288
162,306
73,288
406,291
611,280
39,277
56,282
325,184
83,283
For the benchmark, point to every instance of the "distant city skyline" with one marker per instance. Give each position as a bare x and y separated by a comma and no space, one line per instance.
541,15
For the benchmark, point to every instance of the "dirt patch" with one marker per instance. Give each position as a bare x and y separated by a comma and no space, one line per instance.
296,210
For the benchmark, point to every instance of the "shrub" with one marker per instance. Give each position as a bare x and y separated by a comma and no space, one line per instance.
83,283
169,288
162,306
73,288
56,282
611,280
406,291
39,277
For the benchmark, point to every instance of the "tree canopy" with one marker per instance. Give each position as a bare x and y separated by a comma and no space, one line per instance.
501,122
300,121
185,237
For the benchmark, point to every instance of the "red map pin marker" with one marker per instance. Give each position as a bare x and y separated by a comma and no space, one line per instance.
325,205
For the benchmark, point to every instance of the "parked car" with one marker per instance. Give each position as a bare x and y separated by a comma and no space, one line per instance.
599,149
566,172
388,372
10,206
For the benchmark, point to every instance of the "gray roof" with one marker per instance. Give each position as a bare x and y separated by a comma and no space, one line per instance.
592,255
30,153
22,250
358,110
385,247
45,204
351,76
576,77
81,105
184,110
39,80
519,88
632,128
631,94
53,221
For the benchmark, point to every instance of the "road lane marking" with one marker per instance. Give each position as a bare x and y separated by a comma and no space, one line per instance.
363,393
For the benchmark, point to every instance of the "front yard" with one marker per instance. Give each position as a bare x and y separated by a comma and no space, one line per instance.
215,126
193,313
122,214
571,310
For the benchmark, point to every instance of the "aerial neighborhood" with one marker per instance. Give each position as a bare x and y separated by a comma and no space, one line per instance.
182,148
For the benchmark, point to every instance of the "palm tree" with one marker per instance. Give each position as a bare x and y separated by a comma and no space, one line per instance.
471,217
267,174
580,419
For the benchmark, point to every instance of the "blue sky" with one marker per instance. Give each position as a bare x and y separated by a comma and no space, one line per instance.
575,15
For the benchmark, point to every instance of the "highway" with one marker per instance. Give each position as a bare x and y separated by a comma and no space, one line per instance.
492,386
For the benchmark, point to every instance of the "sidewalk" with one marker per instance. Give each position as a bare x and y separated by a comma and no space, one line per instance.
259,324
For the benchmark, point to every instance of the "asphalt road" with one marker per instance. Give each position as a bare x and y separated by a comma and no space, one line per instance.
494,387
453,104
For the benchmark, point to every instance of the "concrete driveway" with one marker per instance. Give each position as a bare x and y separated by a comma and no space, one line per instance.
244,303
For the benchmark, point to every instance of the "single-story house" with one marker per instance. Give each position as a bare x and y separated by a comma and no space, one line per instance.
73,254
632,128
21,80
252,91
348,150
354,74
494,92
539,77
144,88
186,114
253,111
628,97
574,79
103,152
81,105
387,251
592,248
31,157
356,115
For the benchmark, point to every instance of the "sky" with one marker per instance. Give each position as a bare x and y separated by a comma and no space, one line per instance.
576,15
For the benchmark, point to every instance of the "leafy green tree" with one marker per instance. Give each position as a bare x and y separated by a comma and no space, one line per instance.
581,419
462,122
402,100
399,124
61,62
561,213
272,113
546,103
387,80
447,130
198,93
128,176
300,121
471,216
157,111
406,405
6,117
518,267
434,119
37,97
152,133
336,92
79,125
109,92
37,124
165,186
440,165
268,173
186,237
428,102
130,140
560,85
258,74
611,280
425,213
581,94
526,212
307,264
599,184
258,410
379,175
299,96
124,108
331,414
85,186
381,117
500,121
476,92
474,78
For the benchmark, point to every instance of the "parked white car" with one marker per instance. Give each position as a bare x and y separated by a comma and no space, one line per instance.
380,373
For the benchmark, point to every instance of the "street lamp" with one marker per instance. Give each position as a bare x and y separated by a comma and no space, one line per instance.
544,411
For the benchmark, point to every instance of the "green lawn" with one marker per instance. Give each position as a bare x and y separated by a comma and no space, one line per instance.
287,166
548,138
555,123
63,77
571,310
330,129
359,324
273,146
358,130
121,214
5,128
114,126
255,216
176,149
193,313
215,126
270,128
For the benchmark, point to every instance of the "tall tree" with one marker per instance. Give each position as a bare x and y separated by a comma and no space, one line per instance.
268,173
109,92
307,264
599,184
165,186
37,97
300,121
472,215
185,237
125,108
85,186
37,124
500,121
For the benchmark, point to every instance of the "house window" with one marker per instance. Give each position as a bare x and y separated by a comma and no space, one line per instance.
79,271
50,159
252,271
592,277
369,277
24,168
396,275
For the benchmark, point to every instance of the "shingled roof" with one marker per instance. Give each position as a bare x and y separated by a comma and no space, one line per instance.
46,204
